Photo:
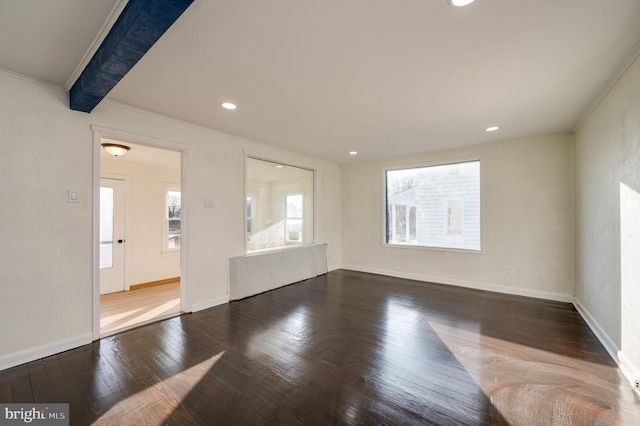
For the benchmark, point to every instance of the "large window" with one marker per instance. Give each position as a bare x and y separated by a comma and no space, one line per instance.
279,205
434,206
171,224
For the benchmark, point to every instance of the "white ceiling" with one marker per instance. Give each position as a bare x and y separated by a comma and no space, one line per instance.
47,39
323,78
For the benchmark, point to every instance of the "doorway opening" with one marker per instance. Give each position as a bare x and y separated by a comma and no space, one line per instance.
140,236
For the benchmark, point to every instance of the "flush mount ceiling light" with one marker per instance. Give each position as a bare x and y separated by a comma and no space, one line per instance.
460,3
115,149
228,105
353,152
492,128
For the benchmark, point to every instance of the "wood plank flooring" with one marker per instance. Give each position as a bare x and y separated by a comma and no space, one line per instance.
343,348
128,308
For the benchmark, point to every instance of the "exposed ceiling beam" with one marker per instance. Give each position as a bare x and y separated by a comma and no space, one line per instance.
139,26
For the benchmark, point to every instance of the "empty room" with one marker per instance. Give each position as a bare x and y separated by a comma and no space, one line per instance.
332,212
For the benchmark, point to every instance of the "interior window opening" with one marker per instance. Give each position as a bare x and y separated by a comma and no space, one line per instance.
279,205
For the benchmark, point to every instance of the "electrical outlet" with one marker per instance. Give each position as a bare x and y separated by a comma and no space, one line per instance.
636,384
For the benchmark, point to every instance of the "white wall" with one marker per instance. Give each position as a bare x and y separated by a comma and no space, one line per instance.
147,262
608,219
528,213
46,250
45,278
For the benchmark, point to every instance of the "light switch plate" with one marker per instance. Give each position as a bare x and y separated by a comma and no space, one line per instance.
207,203
73,196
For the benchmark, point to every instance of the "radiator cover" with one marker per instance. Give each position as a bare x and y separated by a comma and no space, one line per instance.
256,273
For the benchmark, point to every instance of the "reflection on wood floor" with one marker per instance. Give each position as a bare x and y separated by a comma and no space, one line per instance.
343,348
128,308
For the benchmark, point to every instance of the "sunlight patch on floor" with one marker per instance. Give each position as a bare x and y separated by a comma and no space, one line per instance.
519,389
153,401
108,320
129,308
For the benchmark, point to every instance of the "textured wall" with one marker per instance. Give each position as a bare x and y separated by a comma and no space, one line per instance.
608,216
527,220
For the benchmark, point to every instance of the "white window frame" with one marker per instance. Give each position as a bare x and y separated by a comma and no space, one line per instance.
445,162
166,187
254,207
287,240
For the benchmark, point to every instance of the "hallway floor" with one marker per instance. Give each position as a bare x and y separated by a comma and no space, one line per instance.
128,308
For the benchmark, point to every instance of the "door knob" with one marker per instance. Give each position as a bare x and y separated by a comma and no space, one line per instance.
120,241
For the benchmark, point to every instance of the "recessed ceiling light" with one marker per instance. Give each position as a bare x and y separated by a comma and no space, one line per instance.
492,128
353,152
460,3
228,105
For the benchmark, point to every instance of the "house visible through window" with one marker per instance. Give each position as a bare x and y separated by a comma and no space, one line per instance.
434,206
171,230
454,220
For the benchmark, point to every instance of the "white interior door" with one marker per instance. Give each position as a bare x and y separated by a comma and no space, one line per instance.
112,235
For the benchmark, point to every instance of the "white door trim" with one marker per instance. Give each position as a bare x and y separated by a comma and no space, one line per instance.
185,246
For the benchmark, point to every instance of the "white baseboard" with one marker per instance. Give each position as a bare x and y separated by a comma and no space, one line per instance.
604,338
28,355
200,306
334,268
628,369
22,357
464,283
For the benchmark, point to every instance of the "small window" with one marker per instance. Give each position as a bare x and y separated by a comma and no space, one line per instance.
279,205
434,206
249,216
293,222
171,223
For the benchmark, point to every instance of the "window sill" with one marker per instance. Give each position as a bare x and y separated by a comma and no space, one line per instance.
277,249
441,249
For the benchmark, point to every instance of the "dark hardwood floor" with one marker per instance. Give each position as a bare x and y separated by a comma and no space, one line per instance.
344,348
